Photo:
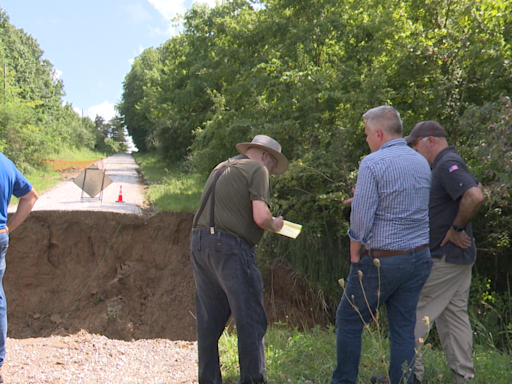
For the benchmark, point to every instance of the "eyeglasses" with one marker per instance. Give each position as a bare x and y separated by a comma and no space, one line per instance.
274,162
415,142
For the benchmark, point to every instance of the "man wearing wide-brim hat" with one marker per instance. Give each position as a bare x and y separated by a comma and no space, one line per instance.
233,214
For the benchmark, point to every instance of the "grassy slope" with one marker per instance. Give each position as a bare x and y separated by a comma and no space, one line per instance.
170,188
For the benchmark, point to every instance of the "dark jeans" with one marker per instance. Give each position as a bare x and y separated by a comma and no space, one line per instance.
4,244
228,282
397,284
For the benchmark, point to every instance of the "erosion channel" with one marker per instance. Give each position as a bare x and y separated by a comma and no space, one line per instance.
123,276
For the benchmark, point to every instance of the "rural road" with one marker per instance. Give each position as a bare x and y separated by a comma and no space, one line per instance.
121,168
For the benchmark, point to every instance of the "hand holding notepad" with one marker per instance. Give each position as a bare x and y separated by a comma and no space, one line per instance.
290,229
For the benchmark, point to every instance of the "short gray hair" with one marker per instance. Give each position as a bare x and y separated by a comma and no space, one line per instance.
386,118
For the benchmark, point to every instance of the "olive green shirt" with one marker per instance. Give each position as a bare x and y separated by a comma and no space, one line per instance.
241,183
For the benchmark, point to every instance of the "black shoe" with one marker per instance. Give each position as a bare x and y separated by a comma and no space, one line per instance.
376,379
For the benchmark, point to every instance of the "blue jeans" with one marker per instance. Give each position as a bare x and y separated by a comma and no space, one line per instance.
399,280
4,244
228,281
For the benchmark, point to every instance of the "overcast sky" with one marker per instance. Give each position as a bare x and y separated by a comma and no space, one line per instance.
93,43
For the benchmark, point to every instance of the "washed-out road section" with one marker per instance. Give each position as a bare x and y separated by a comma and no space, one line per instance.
96,290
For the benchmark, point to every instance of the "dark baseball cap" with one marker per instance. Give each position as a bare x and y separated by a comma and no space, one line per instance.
425,129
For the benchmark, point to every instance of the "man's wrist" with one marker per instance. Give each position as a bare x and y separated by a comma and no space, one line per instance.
458,228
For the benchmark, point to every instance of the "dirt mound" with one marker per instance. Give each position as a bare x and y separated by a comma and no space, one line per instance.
122,276
70,172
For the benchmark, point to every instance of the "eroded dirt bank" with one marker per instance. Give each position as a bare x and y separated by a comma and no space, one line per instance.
122,276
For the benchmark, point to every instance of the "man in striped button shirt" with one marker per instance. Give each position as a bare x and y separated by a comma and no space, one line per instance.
390,258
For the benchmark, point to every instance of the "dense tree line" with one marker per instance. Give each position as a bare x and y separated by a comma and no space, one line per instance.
34,123
304,72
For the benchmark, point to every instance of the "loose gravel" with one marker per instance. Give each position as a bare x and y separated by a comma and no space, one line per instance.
86,358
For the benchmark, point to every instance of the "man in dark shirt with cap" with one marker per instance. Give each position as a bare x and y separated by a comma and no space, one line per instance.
455,197
233,215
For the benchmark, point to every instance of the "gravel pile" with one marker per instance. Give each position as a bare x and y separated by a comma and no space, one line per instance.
85,358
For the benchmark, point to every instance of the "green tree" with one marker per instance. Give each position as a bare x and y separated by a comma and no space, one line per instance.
304,72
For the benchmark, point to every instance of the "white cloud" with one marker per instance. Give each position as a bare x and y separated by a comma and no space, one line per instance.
105,110
138,13
169,31
56,74
78,111
168,9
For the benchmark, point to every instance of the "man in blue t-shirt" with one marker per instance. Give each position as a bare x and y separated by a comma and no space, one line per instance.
455,197
12,182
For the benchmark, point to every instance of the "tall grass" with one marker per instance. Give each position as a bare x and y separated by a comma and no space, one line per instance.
170,188
294,356
321,260
73,154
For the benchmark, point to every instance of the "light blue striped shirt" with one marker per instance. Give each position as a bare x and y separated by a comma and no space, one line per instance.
390,206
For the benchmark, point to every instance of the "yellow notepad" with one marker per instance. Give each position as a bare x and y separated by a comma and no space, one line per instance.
290,229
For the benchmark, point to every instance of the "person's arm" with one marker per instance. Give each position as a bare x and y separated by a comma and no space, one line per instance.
470,202
362,217
350,199
24,207
262,216
355,251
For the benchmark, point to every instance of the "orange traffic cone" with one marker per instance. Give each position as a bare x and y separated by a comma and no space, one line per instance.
120,198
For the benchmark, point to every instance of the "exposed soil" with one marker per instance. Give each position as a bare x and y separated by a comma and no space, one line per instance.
122,276
70,172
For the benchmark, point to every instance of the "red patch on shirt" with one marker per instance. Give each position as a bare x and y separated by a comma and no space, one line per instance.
453,168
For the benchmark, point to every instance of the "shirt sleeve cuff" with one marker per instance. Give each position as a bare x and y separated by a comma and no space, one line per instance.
353,238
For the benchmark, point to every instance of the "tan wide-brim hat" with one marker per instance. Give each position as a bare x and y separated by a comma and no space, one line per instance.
269,144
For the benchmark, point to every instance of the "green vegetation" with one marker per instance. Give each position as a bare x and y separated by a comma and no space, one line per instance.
170,188
310,357
34,121
304,72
